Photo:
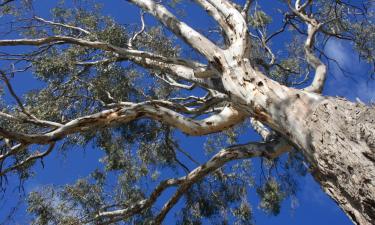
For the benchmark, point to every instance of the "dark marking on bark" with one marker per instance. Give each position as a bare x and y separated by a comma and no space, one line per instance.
260,114
350,169
141,114
209,123
339,143
260,83
268,102
229,24
218,64
168,114
369,155
248,80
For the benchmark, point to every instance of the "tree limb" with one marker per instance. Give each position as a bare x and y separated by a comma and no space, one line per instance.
268,150
227,118
188,70
181,29
62,25
313,26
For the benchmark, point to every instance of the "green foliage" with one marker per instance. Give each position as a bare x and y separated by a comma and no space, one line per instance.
139,155
220,197
271,196
259,19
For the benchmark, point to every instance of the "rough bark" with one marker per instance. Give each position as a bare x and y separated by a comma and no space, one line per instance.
341,136
336,136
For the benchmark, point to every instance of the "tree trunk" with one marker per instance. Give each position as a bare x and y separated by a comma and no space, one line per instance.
341,139
337,137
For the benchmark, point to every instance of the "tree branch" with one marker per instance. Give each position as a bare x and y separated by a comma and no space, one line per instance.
62,25
29,159
130,42
236,22
268,150
218,17
31,118
227,118
313,26
188,70
181,29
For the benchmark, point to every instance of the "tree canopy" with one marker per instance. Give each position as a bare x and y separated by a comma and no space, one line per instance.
133,90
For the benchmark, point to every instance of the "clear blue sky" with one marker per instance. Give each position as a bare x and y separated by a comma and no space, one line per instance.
314,205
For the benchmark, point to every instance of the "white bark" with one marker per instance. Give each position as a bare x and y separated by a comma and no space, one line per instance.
311,123
181,29
228,117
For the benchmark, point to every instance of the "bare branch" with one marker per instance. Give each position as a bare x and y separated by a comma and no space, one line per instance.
246,8
313,26
62,25
29,159
13,150
219,18
237,23
130,42
138,207
250,150
320,68
32,118
167,79
181,29
129,112
184,69
261,129
268,150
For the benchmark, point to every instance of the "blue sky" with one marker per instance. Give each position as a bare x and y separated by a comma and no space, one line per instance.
314,206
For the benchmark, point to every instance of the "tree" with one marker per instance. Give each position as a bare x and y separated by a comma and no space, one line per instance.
124,89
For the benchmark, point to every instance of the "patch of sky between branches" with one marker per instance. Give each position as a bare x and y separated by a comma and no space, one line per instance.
348,75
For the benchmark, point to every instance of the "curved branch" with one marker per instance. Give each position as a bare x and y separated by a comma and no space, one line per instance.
130,42
184,69
62,25
320,68
227,118
138,207
29,159
268,150
181,29
217,16
236,22
313,26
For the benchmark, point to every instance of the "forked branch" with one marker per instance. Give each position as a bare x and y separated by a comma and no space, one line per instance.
227,118
269,150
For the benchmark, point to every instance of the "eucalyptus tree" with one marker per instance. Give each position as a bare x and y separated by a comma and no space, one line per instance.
130,89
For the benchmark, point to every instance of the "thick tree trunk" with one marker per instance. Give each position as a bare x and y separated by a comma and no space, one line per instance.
341,139
337,137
